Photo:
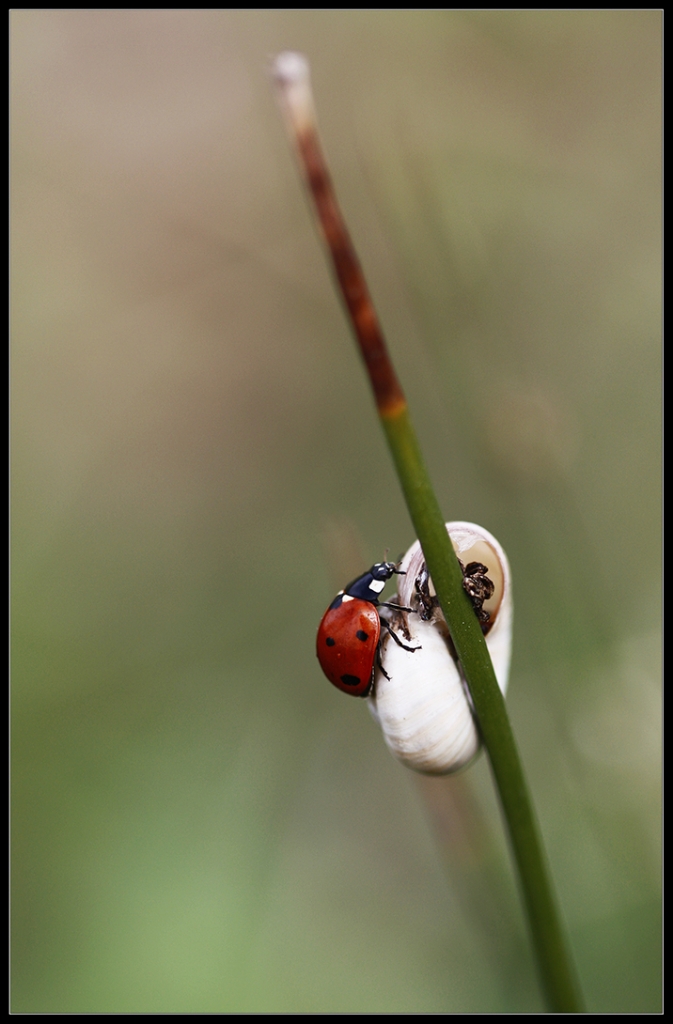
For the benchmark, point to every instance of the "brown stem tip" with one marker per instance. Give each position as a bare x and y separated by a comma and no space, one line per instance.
292,78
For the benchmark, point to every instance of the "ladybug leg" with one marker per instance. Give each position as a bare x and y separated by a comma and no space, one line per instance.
397,639
379,662
397,607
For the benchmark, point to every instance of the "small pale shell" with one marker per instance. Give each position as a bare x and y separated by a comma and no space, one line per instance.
423,708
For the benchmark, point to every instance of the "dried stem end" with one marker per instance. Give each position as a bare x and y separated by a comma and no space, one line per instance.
292,78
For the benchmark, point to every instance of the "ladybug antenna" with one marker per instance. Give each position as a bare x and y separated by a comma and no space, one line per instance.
400,572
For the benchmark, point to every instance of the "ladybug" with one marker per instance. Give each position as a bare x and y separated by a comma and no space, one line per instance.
350,632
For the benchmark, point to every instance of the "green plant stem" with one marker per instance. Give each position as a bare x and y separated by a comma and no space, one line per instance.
554,962
549,943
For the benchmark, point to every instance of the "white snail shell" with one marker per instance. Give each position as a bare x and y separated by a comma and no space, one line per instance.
424,707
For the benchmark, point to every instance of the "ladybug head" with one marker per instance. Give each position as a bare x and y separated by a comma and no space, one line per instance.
368,586
384,570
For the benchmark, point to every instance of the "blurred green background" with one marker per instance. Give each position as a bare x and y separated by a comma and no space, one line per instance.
200,822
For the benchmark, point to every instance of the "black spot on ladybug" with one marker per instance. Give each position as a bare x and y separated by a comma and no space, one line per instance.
330,641
361,635
350,680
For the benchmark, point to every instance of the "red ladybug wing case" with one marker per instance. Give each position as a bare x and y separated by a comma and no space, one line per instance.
346,647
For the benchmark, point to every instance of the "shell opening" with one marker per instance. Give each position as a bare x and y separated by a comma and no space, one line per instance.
481,551
468,549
